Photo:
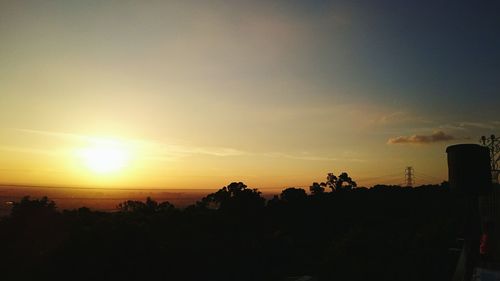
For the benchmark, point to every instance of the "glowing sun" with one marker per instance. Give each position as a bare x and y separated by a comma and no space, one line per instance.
105,157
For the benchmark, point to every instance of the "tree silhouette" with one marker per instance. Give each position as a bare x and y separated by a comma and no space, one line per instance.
165,207
342,182
293,195
130,206
331,181
294,235
33,208
235,196
345,182
148,207
316,189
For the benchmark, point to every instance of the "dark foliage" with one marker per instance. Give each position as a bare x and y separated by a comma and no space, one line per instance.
316,189
234,198
148,207
383,233
340,183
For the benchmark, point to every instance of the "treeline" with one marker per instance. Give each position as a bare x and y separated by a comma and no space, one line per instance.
336,232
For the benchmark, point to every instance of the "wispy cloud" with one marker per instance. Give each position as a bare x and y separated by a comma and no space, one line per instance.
470,126
157,149
398,117
28,150
171,151
310,157
480,125
185,150
438,136
54,134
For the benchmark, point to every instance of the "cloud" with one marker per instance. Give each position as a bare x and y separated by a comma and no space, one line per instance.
480,125
28,150
396,117
212,151
399,117
309,157
171,151
438,136
471,125
65,136
157,149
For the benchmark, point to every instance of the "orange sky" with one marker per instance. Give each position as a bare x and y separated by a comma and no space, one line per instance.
194,94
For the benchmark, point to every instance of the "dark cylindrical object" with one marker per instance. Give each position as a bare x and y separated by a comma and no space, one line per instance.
469,168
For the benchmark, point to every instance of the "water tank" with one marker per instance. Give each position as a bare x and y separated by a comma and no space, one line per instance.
469,168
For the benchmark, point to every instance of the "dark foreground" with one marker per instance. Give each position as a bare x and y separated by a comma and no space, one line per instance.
384,233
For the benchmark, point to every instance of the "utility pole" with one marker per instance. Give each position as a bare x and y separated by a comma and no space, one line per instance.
409,176
493,144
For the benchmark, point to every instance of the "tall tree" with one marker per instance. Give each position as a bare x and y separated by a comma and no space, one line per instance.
236,196
293,195
342,182
316,189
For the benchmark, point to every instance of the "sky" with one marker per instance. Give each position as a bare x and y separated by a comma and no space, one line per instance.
197,94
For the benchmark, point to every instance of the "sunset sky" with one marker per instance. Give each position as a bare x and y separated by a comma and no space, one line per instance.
197,94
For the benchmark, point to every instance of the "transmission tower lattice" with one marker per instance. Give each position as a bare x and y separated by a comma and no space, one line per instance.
493,144
409,176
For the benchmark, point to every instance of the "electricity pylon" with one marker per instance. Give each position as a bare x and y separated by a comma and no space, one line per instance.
493,144
409,176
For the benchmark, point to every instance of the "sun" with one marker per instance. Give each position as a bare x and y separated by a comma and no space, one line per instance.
105,157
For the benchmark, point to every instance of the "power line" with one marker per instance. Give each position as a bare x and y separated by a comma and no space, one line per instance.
427,176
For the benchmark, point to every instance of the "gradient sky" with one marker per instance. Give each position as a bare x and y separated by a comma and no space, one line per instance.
272,93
